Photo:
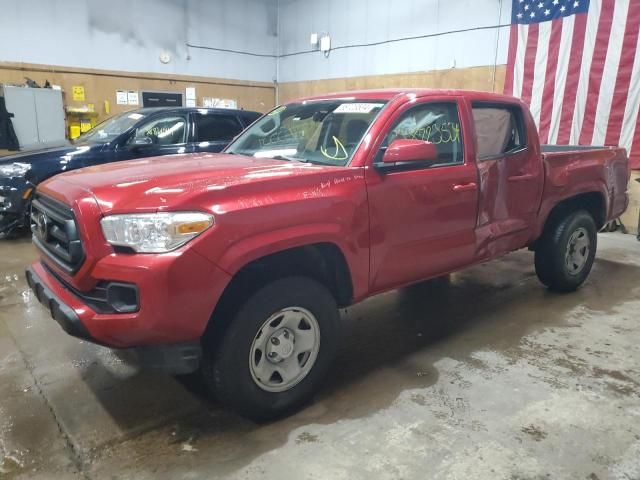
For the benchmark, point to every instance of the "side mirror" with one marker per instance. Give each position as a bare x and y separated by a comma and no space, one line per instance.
141,141
406,150
268,126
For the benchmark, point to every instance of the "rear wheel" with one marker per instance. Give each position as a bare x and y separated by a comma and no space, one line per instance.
566,252
277,349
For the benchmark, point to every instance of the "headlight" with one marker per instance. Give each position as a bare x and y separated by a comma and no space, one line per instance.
154,232
15,169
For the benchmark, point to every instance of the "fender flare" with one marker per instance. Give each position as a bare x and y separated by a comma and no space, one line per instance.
260,245
594,187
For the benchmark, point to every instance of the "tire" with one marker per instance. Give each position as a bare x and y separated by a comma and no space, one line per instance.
566,251
257,390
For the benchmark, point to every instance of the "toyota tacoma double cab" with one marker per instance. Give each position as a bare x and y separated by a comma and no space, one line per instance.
235,264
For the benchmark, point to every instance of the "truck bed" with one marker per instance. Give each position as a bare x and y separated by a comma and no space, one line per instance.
571,170
569,148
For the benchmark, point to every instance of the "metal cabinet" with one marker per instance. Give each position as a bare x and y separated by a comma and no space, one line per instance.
38,116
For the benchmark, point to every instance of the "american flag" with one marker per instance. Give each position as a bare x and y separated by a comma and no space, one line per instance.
577,64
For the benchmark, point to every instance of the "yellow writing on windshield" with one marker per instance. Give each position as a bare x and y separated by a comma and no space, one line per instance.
340,152
437,133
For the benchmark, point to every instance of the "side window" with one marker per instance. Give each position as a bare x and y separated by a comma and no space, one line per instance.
499,130
161,131
216,128
437,123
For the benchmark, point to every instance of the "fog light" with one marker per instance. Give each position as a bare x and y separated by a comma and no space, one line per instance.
123,297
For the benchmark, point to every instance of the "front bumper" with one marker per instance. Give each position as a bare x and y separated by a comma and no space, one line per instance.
176,297
60,311
10,222
13,207
177,293
175,358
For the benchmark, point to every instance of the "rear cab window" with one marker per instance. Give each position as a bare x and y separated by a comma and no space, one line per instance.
499,130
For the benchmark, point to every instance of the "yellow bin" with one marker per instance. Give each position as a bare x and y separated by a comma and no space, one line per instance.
74,131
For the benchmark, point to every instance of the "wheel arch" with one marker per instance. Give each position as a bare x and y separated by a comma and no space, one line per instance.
324,262
594,202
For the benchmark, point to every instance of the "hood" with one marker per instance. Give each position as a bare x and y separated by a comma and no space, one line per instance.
185,181
33,155
48,161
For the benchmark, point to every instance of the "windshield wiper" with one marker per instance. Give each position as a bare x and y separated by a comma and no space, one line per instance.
291,159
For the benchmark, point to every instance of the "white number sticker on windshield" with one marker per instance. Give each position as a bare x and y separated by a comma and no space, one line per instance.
356,107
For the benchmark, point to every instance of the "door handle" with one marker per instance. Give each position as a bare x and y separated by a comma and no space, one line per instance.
463,187
520,178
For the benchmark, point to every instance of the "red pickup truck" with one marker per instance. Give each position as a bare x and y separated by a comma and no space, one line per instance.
236,263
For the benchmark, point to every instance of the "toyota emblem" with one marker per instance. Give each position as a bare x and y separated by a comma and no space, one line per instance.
42,226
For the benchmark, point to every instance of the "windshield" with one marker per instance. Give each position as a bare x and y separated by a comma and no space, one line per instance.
110,128
324,131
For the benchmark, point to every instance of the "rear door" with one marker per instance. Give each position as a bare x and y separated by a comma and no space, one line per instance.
422,215
214,130
510,174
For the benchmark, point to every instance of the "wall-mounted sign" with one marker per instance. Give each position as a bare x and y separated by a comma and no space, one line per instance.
162,99
78,93
121,97
132,97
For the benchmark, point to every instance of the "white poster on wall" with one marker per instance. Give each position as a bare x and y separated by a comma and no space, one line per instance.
132,97
190,93
121,97
191,102
219,102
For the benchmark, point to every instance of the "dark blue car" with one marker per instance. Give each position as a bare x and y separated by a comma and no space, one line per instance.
141,133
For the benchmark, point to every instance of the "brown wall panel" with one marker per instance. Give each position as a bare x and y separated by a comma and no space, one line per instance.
101,85
475,78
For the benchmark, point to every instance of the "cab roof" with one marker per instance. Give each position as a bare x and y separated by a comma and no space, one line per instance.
389,94
152,110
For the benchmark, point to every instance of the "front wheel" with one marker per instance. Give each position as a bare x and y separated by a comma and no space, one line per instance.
566,252
277,349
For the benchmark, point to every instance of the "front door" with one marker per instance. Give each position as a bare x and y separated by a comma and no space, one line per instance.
160,135
423,216
510,173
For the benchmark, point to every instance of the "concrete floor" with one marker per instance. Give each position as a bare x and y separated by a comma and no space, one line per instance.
484,375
